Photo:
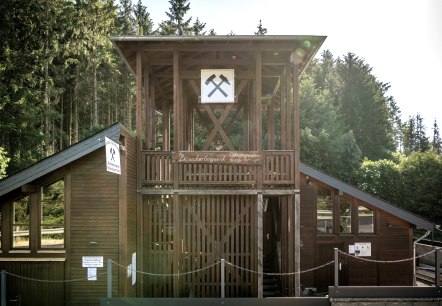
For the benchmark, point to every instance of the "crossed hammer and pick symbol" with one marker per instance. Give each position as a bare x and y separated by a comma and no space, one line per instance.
217,86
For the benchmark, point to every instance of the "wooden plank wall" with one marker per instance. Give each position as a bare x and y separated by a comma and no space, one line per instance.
94,218
27,292
392,240
308,234
395,243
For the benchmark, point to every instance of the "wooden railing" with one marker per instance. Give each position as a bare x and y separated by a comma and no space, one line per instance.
223,168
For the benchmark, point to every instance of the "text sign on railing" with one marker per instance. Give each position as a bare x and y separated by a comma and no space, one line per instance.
239,158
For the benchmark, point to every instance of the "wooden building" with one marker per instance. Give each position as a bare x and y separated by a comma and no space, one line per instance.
212,173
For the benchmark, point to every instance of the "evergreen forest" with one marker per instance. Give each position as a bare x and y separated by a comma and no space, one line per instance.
61,80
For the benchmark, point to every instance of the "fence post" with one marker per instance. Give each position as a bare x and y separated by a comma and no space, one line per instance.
223,280
437,268
109,278
3,288
336,267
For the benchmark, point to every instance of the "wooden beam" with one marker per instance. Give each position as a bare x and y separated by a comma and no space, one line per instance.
139,147
260,243
176,103
297,202
257,130
156,191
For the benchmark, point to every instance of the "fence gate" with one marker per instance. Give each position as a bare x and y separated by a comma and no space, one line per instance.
202,230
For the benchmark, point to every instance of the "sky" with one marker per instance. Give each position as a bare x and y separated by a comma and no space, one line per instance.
400,39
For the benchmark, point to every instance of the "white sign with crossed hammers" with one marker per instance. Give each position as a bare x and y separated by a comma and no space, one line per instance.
217,85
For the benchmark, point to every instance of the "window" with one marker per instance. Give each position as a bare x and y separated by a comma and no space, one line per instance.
345,216
324,211
52,215
366,219
20,223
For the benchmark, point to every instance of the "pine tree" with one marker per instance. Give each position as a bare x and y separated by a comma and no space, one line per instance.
144,23
177,24
198,28
125,18
362,101
436,144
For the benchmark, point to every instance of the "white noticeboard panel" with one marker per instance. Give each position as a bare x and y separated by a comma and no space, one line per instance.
112,156
363,249
217,85
134,268
92,262
91,274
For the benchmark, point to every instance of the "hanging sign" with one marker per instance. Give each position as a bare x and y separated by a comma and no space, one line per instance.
217,85
112,156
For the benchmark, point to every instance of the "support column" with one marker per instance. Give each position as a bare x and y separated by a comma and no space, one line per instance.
297,202
257,128
260,243
139,141
177,105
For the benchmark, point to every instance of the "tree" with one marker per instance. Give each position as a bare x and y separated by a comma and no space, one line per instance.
326,143
126,20
436,144
261,29
3,163
177,24
198,28
365,108
414,135
143,22
421,189
380,178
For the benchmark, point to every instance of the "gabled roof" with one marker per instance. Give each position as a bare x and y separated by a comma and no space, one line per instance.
59,159
366,197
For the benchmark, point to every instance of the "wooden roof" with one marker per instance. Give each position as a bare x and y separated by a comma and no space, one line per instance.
59,159
366,197
204,52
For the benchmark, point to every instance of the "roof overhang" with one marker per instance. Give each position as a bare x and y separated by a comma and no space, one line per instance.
302,48
367,198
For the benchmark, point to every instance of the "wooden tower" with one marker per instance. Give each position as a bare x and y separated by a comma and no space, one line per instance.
217,160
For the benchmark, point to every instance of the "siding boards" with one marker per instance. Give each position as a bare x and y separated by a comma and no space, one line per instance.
395,244
94,217
308,233
31,292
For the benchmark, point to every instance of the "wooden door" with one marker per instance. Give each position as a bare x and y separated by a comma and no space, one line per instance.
325,276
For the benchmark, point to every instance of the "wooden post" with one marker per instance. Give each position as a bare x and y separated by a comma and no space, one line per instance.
297,202
177,107
139,141
336,274
258,106
3,288
260,243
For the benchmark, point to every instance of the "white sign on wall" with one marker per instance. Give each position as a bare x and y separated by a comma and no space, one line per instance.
217,85
134,268
112,156
91,274
92,262
363,249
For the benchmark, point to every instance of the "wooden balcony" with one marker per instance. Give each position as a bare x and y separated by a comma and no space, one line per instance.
218,169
